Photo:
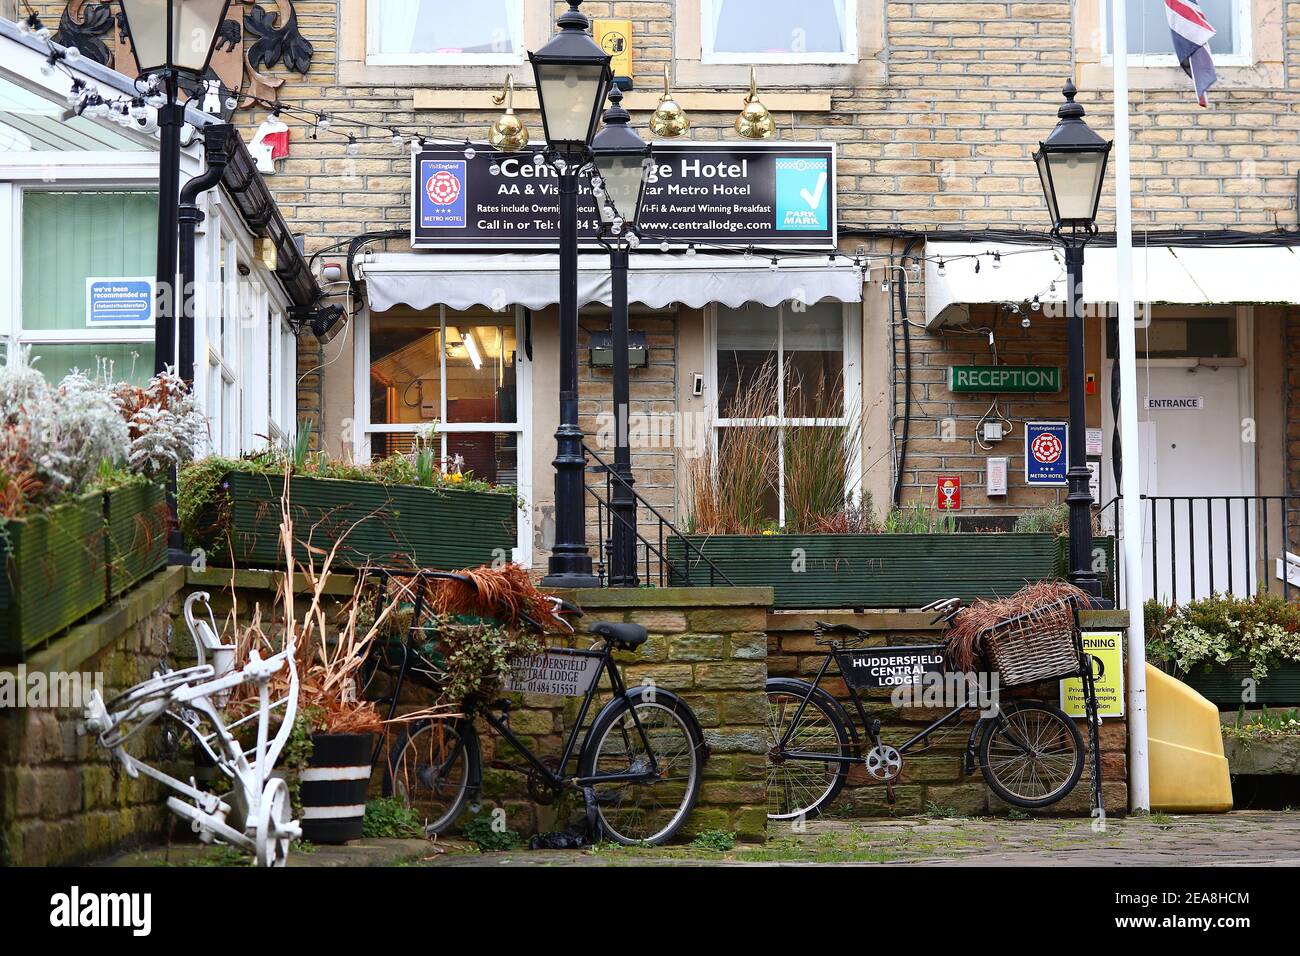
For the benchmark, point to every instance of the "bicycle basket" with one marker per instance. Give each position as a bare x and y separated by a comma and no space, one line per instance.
1036,645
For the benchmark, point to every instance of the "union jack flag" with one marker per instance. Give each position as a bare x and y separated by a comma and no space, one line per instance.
1192,32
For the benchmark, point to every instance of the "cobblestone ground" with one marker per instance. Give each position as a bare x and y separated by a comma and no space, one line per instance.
1235,839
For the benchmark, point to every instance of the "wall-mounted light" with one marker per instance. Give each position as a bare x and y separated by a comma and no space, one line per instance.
754,121
602,350
508,133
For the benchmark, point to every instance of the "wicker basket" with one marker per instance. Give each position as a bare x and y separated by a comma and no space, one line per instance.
1038,645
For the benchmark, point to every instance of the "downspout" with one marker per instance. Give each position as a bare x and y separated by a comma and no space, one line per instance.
901,285
216,152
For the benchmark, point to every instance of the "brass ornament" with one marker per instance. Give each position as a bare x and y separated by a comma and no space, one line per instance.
508,133
754,121
669,119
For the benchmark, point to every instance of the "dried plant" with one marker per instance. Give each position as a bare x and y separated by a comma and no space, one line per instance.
963,637
818,456
504,593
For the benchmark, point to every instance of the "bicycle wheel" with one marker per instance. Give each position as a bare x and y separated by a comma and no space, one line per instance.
652,812
803,788
434,767
1033,756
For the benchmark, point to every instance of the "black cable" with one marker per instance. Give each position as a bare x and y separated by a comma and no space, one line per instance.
901,284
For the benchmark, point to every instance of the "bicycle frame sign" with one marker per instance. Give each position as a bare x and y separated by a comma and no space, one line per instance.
558,671
873,668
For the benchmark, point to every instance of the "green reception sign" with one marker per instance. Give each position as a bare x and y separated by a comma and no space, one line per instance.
1003,378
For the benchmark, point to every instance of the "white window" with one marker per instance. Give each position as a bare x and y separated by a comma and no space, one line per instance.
1150,41
414,32
812,353
462,375
66,237
778,31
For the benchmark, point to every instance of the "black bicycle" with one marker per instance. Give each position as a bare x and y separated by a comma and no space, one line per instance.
638,767
1030,752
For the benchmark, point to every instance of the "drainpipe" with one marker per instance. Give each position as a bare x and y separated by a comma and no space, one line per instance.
217,148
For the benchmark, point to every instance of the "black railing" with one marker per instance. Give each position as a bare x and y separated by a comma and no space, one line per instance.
1200,544
652,548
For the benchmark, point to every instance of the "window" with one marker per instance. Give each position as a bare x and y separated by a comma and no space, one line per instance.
1150,39
404,32
68,238
776,31
810,352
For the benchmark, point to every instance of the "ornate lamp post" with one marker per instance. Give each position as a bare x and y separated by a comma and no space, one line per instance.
1072,166
171,40
573,74
620,158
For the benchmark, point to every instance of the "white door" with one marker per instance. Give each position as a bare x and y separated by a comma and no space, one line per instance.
1196,473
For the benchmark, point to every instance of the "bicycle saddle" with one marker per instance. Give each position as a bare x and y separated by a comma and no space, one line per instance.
626,637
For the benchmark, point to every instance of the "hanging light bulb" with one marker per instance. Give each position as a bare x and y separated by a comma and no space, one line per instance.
774,266
942,271
664,246
354,148
495,168
633,240
1036,304
690,250
71,54
539,159
508,133
749,253
669,119
138,110
323,121
754,121
470,151
74,94
47,67
232,103
997,260
1025,321
399,141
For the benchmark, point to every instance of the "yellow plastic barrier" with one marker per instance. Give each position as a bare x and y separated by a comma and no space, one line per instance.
1189,773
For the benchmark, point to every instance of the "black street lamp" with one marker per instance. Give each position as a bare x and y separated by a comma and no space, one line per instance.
620,157
171,40
1072,166
572,74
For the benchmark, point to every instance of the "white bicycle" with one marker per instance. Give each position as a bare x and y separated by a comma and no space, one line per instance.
256,814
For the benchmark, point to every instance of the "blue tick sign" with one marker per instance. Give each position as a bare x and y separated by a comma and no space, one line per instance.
118,302
1046,453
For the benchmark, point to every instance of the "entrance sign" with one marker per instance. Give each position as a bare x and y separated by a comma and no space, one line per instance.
1046,453
1106,647
114,302
559,671
871,668
1004,378
769,195
1153,403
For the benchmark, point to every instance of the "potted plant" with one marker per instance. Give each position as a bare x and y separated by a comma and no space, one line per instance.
1232,650
405,511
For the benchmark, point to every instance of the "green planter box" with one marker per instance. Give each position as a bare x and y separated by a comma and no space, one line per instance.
872,570
54,575
137,534
1103,554
1221,684
391,526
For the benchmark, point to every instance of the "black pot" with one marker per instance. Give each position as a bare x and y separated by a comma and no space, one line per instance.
334,787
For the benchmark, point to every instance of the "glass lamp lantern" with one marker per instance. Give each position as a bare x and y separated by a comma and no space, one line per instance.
573,75
1072,167
179,35
620,155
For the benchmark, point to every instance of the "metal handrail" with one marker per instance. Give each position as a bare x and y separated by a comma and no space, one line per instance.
673,574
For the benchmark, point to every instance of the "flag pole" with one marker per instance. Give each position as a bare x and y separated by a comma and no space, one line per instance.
1139,783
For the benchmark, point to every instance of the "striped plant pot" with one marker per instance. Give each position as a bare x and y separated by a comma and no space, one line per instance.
334,787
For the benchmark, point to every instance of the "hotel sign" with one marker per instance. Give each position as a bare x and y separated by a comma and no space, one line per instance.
769,195
1004,378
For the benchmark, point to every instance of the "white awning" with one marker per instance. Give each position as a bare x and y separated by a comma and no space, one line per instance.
464,280
1202,275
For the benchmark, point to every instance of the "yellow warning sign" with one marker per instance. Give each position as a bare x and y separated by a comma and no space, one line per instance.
615,38
1106,648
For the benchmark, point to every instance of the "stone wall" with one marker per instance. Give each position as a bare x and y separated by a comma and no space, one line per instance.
932,780
62,800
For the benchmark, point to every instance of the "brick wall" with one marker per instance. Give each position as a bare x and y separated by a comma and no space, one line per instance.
62,799
934,776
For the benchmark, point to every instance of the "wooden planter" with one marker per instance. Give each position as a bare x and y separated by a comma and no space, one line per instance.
53,573
391,526
1221,684
871,570
137,534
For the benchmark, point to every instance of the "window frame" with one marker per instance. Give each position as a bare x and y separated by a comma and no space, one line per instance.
364,428
852,372
848,57
373,57
1243,26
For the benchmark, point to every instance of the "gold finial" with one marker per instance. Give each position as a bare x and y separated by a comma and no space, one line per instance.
754,121
508,133
669,119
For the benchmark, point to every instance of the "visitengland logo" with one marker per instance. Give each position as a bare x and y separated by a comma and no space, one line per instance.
802,184
442,196
1047,448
